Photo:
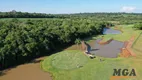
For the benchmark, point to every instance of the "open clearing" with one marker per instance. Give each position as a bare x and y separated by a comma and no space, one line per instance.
96,69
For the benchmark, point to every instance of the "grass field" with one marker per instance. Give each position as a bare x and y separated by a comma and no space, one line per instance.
138,44
95,69
69,60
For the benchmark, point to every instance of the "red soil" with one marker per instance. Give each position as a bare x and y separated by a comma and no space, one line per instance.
104,42
127,51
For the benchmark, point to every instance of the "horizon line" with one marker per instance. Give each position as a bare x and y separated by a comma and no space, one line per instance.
73,12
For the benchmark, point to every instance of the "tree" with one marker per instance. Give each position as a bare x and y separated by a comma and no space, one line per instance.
78,41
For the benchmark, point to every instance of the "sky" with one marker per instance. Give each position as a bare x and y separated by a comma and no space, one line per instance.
71,6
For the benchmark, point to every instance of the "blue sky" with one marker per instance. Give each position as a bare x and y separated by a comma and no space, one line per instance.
71,6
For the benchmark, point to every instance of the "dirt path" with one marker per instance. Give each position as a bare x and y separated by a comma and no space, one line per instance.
130,45
127,51
30,71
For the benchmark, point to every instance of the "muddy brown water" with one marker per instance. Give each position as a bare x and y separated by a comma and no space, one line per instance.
32,71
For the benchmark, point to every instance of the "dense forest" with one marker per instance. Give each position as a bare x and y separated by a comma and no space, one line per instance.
21,41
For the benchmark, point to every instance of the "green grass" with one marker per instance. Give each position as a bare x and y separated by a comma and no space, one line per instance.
94,69
138,44
67,60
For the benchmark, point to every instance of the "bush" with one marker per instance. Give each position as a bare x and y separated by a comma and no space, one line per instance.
138,26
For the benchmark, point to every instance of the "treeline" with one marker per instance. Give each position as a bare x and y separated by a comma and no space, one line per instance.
21,41
122,18
14,14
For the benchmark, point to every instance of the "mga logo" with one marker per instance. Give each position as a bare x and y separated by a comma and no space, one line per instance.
123,73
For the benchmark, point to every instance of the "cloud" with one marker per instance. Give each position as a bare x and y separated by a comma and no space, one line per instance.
128,9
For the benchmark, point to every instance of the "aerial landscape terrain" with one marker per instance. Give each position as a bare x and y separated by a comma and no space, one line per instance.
90,44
